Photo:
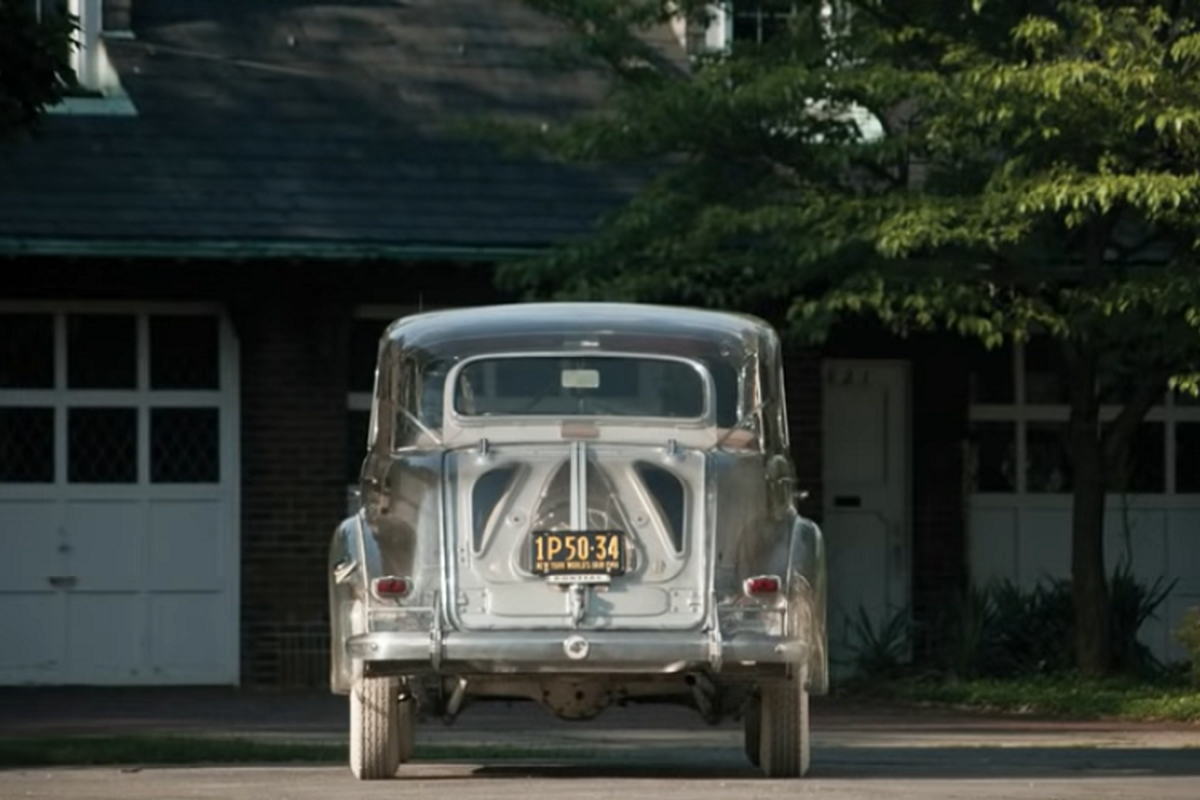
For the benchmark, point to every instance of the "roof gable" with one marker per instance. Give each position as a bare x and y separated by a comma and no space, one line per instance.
297,126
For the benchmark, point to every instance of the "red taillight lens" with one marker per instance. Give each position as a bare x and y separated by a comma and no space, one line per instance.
391,587
762,584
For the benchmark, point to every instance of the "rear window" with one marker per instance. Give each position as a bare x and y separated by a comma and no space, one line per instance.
622,386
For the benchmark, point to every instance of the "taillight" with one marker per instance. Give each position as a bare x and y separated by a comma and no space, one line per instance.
762,584
391,587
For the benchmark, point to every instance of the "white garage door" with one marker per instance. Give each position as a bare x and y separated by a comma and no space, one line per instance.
118,496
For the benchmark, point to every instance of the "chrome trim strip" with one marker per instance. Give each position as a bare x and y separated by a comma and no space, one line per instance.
579,493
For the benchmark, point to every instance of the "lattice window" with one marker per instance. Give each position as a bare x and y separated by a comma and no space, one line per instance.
26,351
26,445
184,352
102,351
185,445
102,445
136,391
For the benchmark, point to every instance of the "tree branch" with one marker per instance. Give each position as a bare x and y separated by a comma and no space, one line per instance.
1118,435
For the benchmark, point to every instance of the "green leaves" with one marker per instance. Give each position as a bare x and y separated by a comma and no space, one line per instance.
35,66
1036,160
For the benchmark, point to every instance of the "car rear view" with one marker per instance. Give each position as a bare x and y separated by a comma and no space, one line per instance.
580,504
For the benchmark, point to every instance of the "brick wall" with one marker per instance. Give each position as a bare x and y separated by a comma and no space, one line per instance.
295,365
939,414
293,478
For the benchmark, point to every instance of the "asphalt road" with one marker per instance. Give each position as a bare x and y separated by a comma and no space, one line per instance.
648,753
845,774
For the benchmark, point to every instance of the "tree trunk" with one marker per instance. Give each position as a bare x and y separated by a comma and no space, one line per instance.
1089,584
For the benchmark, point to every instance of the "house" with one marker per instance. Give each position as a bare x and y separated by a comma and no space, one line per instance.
200,253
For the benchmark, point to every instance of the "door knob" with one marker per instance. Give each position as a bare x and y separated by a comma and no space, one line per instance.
63,581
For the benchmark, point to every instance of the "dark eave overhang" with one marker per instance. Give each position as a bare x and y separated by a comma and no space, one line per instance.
218,249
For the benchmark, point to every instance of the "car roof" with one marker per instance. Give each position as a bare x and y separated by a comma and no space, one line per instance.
595,325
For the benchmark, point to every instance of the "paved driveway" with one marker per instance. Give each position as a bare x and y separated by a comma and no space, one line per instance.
860,751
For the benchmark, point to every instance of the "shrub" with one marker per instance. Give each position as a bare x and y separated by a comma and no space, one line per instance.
1188,634
883,653
1132,604
1005,631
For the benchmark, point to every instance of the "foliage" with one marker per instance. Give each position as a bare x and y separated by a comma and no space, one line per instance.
1033,629
1188,634
35,67
882,653
1036,172
1070,695
967,632
1133,604
1004,631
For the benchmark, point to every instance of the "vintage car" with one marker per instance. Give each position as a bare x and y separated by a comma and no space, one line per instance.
579,504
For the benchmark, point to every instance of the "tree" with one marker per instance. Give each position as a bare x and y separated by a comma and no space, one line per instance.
1034,170
35,64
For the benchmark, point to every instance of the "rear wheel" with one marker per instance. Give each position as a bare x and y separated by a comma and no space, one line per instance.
785,747
375,729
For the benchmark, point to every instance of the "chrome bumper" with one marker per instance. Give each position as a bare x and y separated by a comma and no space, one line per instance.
574,651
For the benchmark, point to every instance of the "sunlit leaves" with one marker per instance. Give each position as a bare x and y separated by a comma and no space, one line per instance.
1039,159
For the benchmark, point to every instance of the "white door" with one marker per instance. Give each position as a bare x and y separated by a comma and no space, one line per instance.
118,496
866,489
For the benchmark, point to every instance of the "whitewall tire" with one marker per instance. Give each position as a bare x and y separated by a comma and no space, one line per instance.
375,729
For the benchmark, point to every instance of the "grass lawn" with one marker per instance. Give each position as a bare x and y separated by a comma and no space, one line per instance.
1067,696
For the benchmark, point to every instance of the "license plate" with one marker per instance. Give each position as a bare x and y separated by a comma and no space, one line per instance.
577,552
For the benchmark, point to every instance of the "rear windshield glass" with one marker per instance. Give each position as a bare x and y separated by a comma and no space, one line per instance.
574,386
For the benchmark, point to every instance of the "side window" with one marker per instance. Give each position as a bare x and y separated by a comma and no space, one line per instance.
419,402
408,397
727,388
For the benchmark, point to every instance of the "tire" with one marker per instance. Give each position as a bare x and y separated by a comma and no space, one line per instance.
375,728
785,749
752,728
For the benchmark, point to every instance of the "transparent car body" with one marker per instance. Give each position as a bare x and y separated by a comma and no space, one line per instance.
665,426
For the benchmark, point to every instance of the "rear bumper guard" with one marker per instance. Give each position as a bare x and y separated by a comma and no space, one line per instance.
584,651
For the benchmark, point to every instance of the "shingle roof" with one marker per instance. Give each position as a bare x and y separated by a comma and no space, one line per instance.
301,125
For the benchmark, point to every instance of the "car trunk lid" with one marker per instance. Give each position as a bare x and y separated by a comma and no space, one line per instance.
582,499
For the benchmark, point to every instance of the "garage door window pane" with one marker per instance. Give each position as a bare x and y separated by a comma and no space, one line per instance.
26,445
1145,472
26,351
102,445
102,351
1044,370
184,352
1187,457
1048,468
992,464
185,445
991,379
